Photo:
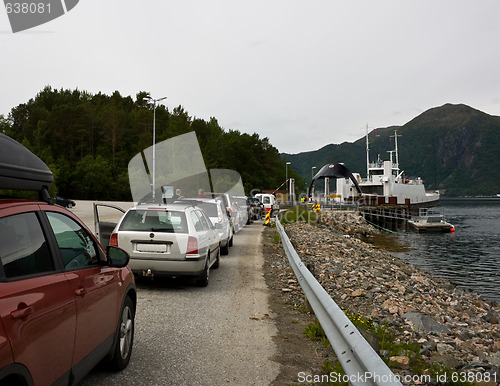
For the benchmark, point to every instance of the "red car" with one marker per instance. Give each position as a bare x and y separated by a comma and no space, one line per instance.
66,304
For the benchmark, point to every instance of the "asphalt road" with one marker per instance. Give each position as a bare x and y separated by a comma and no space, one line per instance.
185,335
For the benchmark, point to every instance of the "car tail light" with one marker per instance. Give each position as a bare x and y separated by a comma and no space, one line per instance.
219,213
113,240
192,247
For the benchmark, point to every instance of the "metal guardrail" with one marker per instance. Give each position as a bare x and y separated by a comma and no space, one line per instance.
361,364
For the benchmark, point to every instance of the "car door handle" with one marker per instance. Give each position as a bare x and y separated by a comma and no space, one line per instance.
23,312
81,291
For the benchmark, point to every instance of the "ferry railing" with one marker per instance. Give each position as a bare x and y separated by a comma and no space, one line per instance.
361,364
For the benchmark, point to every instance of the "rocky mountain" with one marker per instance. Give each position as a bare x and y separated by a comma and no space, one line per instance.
453,148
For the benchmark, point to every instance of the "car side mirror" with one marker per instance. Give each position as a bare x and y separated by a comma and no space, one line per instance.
117,257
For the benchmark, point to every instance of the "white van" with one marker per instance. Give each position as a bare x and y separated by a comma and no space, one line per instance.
269,201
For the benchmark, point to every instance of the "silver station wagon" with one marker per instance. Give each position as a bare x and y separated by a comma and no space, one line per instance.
168,240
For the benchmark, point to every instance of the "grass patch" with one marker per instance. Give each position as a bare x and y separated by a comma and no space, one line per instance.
314,331
304,308
336,370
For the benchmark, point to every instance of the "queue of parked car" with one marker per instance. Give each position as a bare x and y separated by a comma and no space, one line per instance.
68,295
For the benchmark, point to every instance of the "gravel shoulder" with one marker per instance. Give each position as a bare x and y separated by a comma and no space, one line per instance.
296,353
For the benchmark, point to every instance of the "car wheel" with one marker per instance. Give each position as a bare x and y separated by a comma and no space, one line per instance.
125,336
225,249
217,260
202,280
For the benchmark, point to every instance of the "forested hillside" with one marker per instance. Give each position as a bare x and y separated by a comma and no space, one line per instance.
88,140
453,148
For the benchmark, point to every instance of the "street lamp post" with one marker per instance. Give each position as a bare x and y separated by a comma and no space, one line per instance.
155,101
312,175
312,172
286,179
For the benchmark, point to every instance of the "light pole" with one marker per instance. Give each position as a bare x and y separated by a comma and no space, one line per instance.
312,175
286,179
312,172
154,139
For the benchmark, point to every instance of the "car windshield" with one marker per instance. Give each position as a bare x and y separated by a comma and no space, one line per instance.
157,220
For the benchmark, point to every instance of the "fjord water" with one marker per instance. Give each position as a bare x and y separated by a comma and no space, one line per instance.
469,257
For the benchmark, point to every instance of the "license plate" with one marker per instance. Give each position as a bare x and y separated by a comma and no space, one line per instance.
157,248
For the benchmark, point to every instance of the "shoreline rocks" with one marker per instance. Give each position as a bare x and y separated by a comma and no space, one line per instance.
453,326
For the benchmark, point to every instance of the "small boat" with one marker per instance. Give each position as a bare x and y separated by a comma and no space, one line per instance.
428,221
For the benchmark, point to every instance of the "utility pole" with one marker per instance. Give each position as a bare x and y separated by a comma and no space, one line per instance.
155,101
286,179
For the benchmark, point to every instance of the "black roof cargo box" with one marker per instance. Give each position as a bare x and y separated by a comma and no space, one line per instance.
20,169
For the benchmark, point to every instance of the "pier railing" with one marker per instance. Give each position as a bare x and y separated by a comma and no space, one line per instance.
361,364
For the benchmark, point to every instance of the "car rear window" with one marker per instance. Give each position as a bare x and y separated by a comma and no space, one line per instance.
160,220
241,201
210,209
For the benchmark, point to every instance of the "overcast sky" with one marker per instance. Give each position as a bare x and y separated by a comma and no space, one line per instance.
302,73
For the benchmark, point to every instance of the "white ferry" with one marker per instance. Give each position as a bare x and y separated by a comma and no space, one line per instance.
385,183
